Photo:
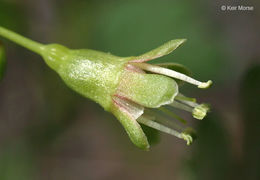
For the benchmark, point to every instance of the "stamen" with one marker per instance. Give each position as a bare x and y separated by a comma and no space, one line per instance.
187,138
171,114
199,111
181,106
181,97
191,104
186,100
159,117
173,74
165,129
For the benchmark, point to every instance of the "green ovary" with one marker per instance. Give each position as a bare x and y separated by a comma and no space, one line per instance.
92,74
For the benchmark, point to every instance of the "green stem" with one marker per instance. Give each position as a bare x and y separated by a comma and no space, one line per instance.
25,42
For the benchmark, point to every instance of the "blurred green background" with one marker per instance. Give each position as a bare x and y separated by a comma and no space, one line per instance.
47,131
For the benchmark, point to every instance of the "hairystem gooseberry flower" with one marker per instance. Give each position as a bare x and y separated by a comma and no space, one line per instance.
130,88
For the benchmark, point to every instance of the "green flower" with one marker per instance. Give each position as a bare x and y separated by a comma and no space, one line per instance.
128,87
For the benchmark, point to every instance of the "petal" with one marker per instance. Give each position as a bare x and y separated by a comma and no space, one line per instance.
133,109
126,114
160,51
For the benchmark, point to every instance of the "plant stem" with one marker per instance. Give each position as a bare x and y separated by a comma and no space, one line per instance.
25,42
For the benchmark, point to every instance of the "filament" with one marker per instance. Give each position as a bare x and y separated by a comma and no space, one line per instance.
173,74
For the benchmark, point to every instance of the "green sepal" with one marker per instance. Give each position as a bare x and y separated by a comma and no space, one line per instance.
148,90
162,50
131,126
176,67
2,61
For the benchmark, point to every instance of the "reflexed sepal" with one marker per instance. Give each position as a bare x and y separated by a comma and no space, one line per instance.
162,50
126,114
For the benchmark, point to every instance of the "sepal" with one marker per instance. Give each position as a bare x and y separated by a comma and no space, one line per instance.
126,115
148,90
162,50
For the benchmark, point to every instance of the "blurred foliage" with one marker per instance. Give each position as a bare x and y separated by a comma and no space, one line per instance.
17,161
2,61
211,156
12,15
250,102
